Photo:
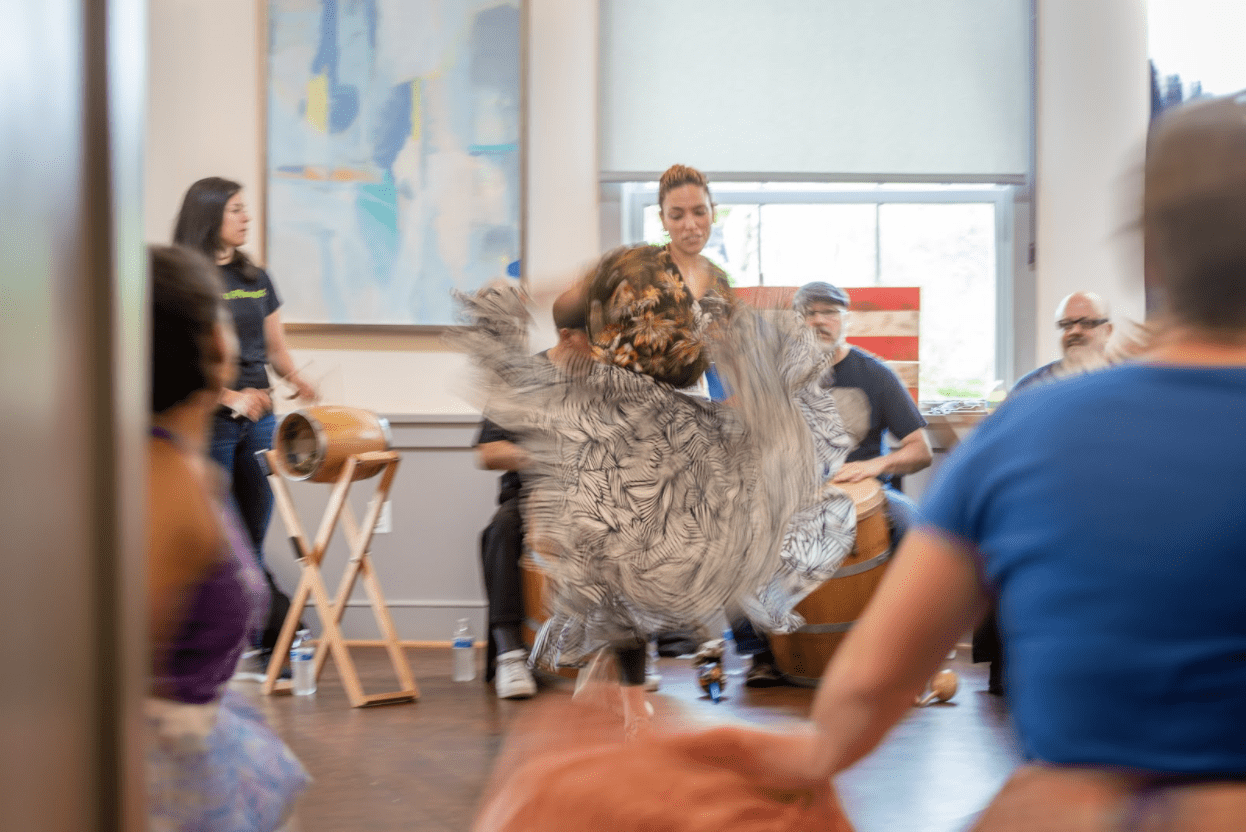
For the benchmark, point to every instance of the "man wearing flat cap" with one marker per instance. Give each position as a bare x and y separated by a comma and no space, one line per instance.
871,400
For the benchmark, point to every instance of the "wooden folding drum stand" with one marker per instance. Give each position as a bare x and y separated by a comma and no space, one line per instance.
311,583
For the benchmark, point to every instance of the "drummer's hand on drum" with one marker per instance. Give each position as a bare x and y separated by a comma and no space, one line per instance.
860,470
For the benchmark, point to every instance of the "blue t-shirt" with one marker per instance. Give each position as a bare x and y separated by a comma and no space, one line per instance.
1043,374
1119,563
891,407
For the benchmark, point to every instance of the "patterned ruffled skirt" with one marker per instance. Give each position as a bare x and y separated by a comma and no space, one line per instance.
218,768
651,510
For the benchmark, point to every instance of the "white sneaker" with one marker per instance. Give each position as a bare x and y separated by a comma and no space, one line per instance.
513,680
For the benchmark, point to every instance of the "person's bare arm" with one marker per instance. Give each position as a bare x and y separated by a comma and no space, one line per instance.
912,456
279,357
930,597
502,456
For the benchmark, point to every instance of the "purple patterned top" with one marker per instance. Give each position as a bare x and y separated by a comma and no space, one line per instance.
223,611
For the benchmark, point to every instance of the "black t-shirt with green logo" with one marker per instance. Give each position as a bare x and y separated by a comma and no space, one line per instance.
250,301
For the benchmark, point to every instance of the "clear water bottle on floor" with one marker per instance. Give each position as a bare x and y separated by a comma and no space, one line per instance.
302,664
464,652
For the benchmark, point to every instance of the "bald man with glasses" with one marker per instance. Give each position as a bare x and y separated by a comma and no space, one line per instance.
1085,326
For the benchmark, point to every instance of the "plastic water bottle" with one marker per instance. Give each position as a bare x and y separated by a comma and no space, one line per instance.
464,652
302,664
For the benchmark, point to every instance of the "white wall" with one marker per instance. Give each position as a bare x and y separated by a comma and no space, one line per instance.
1093,108
204,106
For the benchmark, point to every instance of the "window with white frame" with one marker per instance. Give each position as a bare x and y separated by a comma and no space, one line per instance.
952,241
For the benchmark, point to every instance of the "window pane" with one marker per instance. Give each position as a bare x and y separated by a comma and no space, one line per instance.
835,242
949,251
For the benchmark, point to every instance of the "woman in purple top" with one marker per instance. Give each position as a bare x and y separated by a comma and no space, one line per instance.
212,762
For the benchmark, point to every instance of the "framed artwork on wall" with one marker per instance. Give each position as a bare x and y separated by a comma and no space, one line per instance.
394,158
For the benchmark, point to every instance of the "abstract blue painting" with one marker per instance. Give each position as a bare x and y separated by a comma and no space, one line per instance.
393,155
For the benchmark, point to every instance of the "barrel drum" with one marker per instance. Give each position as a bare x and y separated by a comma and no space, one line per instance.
831,609
314,443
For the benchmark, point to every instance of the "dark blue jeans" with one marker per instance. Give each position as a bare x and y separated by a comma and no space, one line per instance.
901,515
234,443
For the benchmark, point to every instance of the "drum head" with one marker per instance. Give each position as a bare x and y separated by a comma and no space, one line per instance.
867,496
315,443
299,446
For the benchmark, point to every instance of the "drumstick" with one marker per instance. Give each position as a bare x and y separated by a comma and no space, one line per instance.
942,687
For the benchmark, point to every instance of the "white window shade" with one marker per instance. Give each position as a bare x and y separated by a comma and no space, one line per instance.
818,88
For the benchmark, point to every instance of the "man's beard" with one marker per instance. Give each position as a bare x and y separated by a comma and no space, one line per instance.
829,347
1082,358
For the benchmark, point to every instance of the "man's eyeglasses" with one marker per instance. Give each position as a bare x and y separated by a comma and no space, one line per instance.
827,311
1085,323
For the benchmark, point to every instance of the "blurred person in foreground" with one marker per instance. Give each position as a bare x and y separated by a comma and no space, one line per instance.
212,761
1084,508
1085,324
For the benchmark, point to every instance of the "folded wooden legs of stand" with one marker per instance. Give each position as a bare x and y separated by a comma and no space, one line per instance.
311,583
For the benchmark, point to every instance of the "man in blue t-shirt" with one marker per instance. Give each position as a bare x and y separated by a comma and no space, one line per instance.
872,401
1102,513
1085,327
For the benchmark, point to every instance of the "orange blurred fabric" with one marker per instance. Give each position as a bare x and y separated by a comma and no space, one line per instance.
566,767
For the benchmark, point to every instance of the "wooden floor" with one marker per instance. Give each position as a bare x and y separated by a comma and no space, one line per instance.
423,766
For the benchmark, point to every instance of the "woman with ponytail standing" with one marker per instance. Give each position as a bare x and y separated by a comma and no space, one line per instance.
213,220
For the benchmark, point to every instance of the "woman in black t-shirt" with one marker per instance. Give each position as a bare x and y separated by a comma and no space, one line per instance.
213,219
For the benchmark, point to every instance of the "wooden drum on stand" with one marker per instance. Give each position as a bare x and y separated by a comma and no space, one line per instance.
314,443
831,609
